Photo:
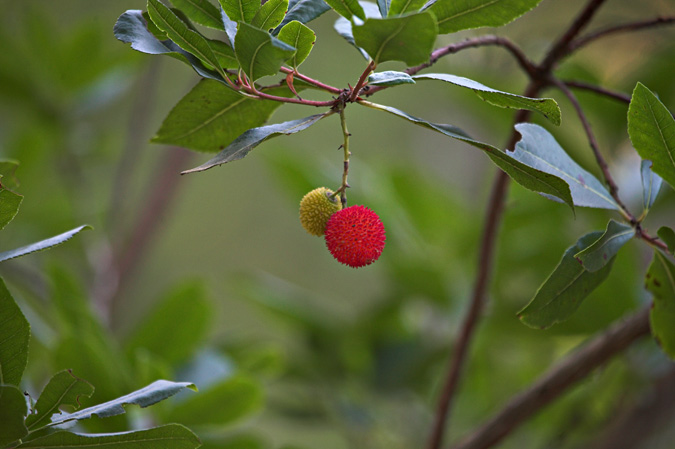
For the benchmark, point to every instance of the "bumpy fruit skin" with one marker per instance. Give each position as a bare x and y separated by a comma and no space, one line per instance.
316,208
355,236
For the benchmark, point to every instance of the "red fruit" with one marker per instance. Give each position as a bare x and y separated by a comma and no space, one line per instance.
355,236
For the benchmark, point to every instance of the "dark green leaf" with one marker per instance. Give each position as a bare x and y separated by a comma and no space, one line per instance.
170,436
539,149
220,404
44,244
240,10
651,128
9,206
651,184
660,280
564,290
344,26
153,393
259,53
12,412
303,11
456,15
211,116
383,6
63,389
270,14
299,37
224,54
409,38
254,137
14,338
201,11
545,106
347,8
398,7
668,236
606,247
389,78
7,169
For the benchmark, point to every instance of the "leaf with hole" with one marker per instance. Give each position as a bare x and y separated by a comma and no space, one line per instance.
41,245
202,12
660,281
259,53
456,15
606,247
301,38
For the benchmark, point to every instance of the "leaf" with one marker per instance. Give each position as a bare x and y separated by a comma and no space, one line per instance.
270,14
220,404
170,436
63,389
539,149
651,128
383,6
344,26
303,11
41,245
14,338
9,206
211,116
660,280
398,7
389,78
301,38
12,412
230,26
240,10
456,15
177,324
651,184
668,236
530,178
259,53
224,54
606,247
201,11
347,8
564,290
409,38
153,393
545,106
7,169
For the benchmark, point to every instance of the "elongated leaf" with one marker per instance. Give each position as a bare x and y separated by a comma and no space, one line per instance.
224,54
390,78
668,236
344,26
456,15
383,6
14,338
220,404
12,412
651,184
44,244
259,53
606,247
304,11
301,38
564,290
409,38
63,389
660,280
202,12
545,106
539,149
170,436
9,206
211,116
347,8
230,26
240,10
153,393
404,6
254,137
270,14
530,178
7,172
651,128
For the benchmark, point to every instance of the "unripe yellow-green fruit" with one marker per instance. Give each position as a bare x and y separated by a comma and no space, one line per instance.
316,208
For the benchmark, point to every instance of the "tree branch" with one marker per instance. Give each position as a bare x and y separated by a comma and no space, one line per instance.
619,96
632,26
554,383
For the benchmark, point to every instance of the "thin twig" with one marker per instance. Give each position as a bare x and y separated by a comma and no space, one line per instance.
312,81
631,26
558,380
362,81
619,96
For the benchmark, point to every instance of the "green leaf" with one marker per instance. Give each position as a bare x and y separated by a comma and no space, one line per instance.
240,10
9,206
303,11
211,116
301,38
254,137
606,247
344,27
668,236
259,53
14,338
347,8
398,7
651,184
7,172
177,324
409,38
456,15
389,78
170,436
220,404
13,409
224,54
545,106
660,280
270,14
383,6
651,128
63,389
201,11
539,149
564,290
153,393
41,245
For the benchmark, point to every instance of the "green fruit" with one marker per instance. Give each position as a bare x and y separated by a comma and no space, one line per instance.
316,208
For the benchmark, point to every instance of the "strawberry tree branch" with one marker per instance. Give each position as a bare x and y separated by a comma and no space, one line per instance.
619,96
319,84
362,81
632,26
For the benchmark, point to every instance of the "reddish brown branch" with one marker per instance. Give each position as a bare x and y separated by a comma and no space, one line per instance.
312,81
625,27
362,81
619,96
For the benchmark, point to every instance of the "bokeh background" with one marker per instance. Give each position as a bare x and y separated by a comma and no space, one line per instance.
210,278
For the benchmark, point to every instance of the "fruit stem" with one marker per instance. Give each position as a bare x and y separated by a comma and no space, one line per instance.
342,191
